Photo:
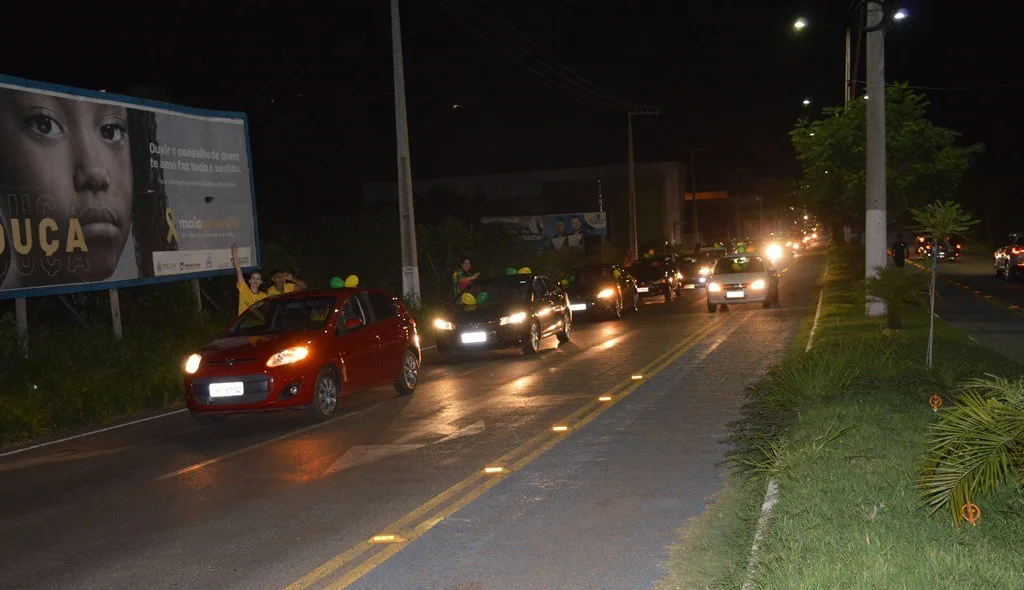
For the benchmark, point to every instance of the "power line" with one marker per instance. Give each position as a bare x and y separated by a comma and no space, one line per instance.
586,93
595,88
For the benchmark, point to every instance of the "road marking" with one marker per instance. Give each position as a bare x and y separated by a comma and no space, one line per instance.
433,511
258,445
251,447
90,433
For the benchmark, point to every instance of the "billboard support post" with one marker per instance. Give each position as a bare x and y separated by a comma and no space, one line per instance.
115,312
21,314
198,294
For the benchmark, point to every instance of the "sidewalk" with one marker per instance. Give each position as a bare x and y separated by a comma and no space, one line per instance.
600,509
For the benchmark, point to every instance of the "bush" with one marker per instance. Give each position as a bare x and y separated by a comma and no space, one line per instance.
977,445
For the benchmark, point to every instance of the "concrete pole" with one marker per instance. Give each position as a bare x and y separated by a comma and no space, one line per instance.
847,84
632,190
410,262
875,214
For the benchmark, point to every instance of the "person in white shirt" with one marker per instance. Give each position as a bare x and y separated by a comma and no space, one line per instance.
558,241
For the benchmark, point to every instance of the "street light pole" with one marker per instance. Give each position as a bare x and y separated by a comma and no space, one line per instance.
407,219
632,179
875,215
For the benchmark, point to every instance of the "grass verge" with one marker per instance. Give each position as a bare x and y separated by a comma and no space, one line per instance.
843,429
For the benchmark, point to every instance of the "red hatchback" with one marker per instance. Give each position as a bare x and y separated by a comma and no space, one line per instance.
303,351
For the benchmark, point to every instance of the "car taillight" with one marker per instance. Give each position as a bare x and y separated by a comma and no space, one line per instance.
1017,251
958,246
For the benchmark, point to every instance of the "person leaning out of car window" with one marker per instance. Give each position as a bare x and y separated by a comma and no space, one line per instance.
284,282
248,291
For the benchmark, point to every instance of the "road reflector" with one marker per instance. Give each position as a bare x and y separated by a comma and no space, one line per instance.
387,538
559,428
494,469
637,377
605,398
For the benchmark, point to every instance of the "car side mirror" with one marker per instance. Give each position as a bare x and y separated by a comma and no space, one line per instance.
353,323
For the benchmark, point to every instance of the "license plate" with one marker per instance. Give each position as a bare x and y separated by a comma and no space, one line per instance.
474,337
689,286
641,289
578,307
734,294
234,389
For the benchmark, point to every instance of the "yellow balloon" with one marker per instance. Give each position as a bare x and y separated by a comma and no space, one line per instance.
525,270
651,251
468,299
617,273
565,282
351,281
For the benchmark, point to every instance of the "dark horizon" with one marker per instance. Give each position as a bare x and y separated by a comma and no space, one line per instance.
316,83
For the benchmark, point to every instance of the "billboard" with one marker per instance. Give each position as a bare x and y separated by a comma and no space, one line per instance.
101,191
554,232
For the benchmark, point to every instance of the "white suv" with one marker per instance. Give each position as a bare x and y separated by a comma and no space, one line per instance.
742,278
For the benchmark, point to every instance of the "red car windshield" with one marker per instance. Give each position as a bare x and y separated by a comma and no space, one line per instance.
277,315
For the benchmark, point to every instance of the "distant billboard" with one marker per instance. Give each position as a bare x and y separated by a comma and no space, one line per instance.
554,232
100,191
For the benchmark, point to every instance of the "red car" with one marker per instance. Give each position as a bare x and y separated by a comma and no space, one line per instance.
304,351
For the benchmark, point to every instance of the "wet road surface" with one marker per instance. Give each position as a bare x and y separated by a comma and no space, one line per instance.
268,501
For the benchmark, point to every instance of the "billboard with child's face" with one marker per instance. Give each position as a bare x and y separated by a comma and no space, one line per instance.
100,191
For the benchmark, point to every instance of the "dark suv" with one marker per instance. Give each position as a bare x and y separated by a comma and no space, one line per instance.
1009,257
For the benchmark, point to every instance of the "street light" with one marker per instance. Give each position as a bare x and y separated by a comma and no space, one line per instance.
900,14
807,102
800,24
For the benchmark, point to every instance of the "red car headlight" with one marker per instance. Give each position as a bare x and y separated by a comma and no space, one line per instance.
288,356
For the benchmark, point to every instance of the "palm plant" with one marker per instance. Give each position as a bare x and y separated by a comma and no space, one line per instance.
898,288
942,220
976,446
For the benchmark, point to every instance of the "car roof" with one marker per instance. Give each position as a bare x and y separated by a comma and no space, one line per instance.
331,292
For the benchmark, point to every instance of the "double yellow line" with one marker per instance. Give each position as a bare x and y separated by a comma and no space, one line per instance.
364,557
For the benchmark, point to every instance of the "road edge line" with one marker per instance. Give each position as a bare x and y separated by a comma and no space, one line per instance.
771,494
90,433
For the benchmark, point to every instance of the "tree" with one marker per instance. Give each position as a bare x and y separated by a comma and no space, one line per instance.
922,160
941,220
898,288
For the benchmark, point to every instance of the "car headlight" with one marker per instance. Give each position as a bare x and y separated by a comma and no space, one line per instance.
774,252
516,318
442,324
704,271
288,356
714,287
758,285
192,364
605,293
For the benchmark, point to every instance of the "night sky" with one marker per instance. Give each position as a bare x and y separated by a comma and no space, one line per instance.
316,80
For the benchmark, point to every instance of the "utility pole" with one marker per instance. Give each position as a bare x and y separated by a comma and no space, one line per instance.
693,178
847,82
407,218
875,215
632,178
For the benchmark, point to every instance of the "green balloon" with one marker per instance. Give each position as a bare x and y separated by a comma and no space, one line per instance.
337,283
510,271
481,297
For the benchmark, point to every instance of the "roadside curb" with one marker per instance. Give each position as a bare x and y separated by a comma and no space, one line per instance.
771,494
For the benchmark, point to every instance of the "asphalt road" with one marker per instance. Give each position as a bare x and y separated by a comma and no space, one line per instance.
989,309
269,501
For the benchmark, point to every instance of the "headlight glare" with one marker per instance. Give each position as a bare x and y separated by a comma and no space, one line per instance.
516,318
192,364
758,285
714,287
704,271
288,356
443,324
605,293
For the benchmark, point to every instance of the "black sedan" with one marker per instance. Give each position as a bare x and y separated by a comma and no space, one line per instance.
505,312
600,289
657,277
